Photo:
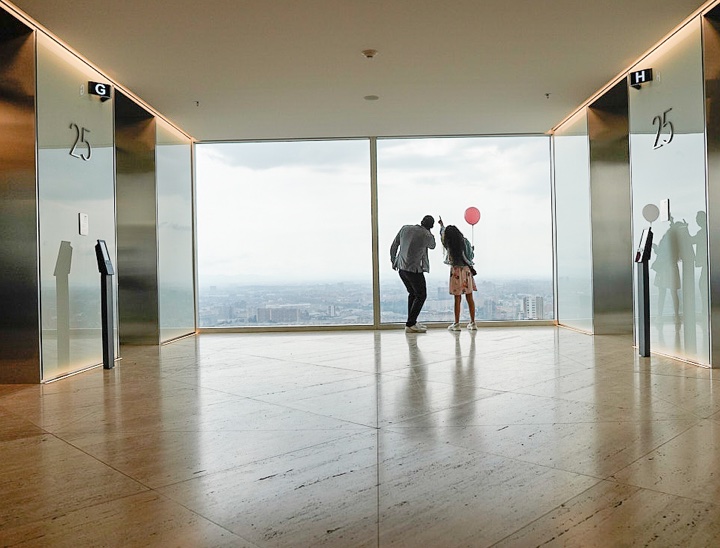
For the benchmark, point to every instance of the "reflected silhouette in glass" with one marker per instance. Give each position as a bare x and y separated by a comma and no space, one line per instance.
667,273
62,296
674,266
701,258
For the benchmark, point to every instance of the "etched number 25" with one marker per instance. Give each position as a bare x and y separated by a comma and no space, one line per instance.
80,139
663,123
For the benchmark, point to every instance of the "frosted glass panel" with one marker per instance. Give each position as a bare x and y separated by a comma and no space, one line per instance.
71,121
572,217
176,295
667,148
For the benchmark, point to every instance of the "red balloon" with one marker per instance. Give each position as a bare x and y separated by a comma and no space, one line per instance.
472,215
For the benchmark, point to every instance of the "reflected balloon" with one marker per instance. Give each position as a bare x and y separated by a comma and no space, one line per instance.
651,212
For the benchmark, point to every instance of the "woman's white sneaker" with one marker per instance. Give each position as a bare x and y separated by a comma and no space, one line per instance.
454,327
472,326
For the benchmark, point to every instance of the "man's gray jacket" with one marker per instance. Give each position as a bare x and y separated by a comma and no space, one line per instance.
409,250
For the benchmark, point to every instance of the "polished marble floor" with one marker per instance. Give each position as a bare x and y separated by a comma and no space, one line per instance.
505,437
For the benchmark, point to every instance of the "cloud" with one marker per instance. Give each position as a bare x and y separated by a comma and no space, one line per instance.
304,207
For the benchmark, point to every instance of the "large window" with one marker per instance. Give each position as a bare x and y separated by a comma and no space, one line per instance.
285,228
284,233
508,180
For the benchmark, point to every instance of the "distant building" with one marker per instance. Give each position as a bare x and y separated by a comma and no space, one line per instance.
278,315
533,308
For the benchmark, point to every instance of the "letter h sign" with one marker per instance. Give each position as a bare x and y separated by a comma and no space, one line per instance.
640,77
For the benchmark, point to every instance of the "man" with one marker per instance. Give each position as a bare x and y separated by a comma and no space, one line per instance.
409,256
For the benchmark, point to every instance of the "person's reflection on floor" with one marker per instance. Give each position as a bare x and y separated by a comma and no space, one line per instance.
463,402
415,401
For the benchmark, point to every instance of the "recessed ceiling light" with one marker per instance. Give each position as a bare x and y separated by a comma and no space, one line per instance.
371,97
369,53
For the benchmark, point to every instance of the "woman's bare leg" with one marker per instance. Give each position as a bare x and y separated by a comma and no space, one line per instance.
471,306
457,308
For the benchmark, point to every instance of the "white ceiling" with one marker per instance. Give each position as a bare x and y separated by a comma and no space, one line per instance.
293,68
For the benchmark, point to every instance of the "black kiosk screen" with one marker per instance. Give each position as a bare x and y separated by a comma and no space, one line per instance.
103,257
645,247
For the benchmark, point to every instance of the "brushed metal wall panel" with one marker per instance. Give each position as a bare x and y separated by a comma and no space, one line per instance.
19,286
611,212
136,195
711,51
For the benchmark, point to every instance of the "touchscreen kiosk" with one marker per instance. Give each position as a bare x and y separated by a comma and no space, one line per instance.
645,247
103,257
642,295
106,303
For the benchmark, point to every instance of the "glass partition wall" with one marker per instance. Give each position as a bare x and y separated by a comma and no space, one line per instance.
667,149
285,229
573,234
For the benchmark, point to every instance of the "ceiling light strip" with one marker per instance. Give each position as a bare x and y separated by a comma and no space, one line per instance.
29,21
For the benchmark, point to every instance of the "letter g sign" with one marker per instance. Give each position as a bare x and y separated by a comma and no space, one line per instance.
100,89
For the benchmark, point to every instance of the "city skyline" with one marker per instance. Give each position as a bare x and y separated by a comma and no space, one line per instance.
338,303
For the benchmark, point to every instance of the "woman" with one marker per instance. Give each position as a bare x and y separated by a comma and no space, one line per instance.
459,255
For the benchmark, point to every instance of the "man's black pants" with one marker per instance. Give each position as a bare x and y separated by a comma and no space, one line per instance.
417,293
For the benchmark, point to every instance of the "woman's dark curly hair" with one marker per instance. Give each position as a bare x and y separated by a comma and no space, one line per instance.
454,242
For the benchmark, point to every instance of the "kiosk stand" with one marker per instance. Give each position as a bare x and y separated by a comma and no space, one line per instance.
642,257
108,314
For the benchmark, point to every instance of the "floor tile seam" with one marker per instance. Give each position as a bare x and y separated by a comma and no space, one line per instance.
144,433
691,423
544,381
101,461
603,405
298,359
64,512
444,409
690,412
656,448
523,461
204,518
16,415
421,382
325,366
504,425
48,429
256,461
545,515
678,376
707,500
214,389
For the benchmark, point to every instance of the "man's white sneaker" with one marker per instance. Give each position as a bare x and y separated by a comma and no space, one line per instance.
472,326
415,329
454,327
421,326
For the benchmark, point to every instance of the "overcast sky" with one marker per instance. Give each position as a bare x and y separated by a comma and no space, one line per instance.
279,212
